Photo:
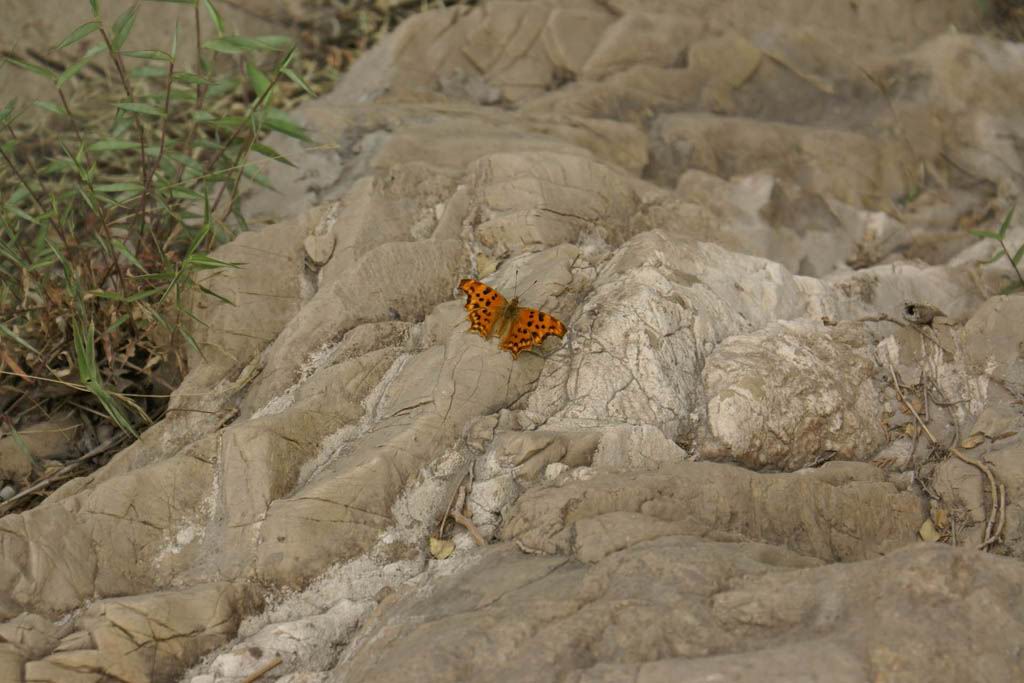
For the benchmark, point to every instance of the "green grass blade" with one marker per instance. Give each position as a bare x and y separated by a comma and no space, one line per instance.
985,234
299,81
151,55
275,119
259,80
140,108
43,71
1006,221
79,33
235,45
215,17
78,65
7,111
123,26
10,334
1017,255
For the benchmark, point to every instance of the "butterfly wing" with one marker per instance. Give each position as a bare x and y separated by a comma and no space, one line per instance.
529,329
484,306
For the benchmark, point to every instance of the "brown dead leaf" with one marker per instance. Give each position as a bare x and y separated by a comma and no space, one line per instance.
973,440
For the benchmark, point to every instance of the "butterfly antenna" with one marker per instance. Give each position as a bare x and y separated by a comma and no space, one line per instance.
527,289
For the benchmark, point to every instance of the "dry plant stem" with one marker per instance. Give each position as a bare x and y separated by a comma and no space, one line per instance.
35,199
42,483
144,161
200,91
470,527
448,510
1002,512
996,491
104,218
263,670
243,152
163,126
1006,250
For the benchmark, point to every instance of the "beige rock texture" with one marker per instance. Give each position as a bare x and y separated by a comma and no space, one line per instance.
680,608
717,474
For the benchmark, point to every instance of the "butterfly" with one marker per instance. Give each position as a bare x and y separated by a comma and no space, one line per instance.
492,315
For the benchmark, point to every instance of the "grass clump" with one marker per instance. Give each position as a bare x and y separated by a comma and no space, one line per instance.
113,193
110,208
1004,251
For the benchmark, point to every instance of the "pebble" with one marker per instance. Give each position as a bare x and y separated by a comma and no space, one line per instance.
7,492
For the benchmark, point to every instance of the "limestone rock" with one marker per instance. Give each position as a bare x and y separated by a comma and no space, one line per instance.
792,395
848,518
680,608
729,205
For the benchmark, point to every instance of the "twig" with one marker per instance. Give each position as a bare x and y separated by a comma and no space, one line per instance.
260,672
48,479
996,491
448,511
470,527
1002,512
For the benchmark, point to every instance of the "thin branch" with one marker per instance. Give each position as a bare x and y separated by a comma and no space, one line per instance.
263,670
470,527
35,198
45,481
996,491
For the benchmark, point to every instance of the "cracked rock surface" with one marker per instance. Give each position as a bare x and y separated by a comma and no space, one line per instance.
717,474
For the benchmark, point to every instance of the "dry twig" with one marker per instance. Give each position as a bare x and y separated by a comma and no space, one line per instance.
470,527
454,511
997,491
50,478
263,670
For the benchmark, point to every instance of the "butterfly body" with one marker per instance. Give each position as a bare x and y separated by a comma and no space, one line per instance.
492,315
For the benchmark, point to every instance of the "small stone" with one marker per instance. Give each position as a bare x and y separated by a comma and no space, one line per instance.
554,469
319,248
7,492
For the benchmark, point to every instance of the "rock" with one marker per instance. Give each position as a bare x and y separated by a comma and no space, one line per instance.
995,343
792,395
48,440
33,635
15,463
716,472
12,662
150,637
854,517
964,496
732,146
680,608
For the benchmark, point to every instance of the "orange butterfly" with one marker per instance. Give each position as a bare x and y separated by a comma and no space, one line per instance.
492,315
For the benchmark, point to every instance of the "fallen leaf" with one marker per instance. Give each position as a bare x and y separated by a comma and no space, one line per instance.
927,532
441,548
973,440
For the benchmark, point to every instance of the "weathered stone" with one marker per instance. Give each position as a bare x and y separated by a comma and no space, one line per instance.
680,608
813,513
723,203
